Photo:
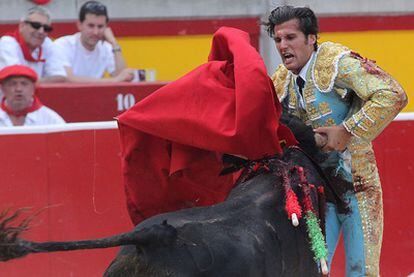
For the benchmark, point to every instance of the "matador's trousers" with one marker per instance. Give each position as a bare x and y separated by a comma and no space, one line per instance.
362,227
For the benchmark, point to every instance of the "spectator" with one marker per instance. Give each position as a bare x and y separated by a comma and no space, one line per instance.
29,45
20,106
94,50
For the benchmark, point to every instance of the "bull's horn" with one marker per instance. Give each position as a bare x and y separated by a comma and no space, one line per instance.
295,220
324,267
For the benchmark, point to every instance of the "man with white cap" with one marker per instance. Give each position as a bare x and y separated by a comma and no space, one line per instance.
20,106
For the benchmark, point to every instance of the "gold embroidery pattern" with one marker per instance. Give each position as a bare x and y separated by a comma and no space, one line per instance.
325,67
309,94
317,124
324,108
292,96
369,195
280,81
330,122
313,112
384,98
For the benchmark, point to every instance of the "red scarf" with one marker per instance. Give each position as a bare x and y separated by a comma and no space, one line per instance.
34,107
25,48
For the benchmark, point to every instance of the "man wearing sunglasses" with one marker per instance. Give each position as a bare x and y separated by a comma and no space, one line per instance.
29,45
94,50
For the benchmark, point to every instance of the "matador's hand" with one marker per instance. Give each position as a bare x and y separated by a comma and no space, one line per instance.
337,137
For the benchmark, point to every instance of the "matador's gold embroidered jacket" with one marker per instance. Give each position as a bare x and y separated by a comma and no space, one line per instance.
344,88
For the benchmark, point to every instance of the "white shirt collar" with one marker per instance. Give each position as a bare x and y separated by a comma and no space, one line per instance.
304,69
5,119
30,119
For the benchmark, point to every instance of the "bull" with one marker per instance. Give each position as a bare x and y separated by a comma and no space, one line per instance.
249,234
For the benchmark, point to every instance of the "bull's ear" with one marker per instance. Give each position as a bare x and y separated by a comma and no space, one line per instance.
228,170
234,160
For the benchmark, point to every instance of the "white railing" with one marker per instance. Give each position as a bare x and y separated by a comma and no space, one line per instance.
68,127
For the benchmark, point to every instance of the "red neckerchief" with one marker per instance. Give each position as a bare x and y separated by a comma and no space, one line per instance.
34,107
25,48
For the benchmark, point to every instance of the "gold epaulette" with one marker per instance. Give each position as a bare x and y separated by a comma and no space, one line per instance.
325,68
281,81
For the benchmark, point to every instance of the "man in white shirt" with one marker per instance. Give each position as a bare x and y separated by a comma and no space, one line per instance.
20,106
29,45
94,50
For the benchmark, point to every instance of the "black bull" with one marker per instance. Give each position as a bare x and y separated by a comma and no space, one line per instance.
247,235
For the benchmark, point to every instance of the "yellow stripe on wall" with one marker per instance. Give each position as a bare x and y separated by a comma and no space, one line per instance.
392,50
170,56
173,56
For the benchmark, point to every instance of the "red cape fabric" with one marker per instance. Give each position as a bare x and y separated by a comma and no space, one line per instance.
172,140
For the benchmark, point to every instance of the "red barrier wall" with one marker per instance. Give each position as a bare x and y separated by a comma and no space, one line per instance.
79,174
93,102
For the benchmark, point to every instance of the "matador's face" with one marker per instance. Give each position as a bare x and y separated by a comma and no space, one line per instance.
294,47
